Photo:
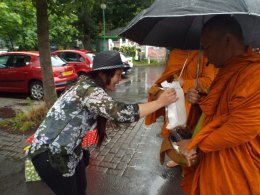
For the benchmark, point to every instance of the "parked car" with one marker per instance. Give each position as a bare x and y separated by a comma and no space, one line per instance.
82,60
21,72
128,60
2,51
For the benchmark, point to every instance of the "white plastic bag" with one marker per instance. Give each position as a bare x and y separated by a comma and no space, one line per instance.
176,111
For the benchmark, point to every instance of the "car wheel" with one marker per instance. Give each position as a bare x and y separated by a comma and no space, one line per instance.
82,76
36,90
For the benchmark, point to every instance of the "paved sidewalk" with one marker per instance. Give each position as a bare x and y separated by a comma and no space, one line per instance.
11,145
127,163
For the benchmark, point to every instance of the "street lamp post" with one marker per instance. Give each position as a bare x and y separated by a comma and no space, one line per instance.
103,7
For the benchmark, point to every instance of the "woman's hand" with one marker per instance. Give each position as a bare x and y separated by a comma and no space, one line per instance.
168,96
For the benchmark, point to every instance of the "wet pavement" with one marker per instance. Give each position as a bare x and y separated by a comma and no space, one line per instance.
127,163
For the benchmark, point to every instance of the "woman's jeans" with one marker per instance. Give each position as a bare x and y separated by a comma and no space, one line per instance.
74,185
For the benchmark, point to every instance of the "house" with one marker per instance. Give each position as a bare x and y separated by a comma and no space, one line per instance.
148,52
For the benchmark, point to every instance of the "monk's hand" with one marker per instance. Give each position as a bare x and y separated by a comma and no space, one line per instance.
190,155
192,160
168,96
193,96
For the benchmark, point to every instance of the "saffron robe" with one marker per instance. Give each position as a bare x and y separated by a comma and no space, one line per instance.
229,141
173,68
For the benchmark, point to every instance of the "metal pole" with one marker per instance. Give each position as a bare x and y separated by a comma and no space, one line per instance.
198,70
104,34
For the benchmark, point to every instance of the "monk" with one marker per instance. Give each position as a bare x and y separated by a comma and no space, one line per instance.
182,66
229,140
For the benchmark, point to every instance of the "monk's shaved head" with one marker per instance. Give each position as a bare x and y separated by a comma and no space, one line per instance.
222,39
223,24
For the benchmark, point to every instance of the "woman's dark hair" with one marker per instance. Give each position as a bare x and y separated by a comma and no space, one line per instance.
102,121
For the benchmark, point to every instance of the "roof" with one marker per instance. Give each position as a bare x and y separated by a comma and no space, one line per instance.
36,53
75,50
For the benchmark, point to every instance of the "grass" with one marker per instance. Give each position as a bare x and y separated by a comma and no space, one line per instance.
25,122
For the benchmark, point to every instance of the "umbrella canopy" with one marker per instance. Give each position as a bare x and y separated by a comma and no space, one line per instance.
177,24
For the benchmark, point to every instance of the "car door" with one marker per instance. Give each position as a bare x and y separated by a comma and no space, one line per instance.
17,73
3,68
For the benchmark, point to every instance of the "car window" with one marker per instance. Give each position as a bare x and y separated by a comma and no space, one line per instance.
57,61
72,57
3,61
90,56
81,59
60,55
17,61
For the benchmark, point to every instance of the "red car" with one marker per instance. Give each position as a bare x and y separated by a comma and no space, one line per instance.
82,60
21,72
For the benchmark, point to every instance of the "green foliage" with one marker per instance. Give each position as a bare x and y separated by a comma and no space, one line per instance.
86,24
130,50
68,20
17,121
62,32
117,14
20,123
120,12
27,125
144,62
26,121
18,25
29,102
10,23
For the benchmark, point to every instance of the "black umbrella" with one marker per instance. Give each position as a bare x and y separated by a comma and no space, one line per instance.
177,23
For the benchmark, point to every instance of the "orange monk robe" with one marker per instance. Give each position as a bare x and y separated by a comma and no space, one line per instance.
229,141
173,67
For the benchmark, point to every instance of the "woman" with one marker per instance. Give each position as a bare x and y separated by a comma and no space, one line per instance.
56,149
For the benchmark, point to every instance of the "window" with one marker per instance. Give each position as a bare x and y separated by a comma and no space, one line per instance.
19,61
3,61
90,56
71,57
56,61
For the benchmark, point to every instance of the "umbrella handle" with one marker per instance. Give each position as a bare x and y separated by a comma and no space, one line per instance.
198,66
198,70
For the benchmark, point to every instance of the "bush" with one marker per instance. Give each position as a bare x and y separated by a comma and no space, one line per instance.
27,125
130,51
26,121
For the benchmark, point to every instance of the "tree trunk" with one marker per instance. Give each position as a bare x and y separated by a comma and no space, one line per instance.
11,43
50,95
86,42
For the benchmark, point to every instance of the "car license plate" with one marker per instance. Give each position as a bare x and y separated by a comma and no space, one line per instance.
67,73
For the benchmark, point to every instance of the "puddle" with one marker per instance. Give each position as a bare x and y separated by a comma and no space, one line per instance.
156,185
